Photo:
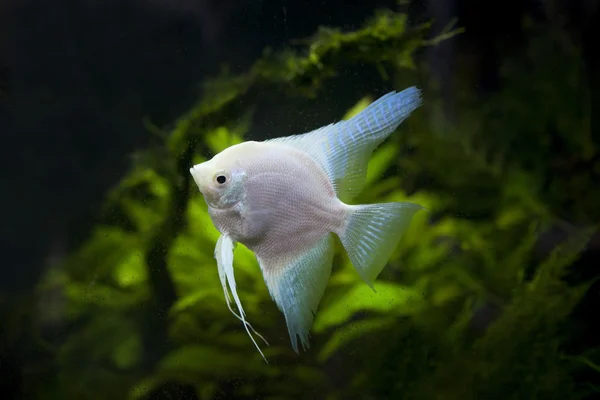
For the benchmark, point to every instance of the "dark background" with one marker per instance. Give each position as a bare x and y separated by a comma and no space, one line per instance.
77,78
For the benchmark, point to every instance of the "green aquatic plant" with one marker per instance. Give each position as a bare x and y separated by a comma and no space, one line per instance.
140,306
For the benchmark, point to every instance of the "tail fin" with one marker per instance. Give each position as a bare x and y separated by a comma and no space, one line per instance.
372,233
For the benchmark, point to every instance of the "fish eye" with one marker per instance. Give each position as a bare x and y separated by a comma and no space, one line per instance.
221,177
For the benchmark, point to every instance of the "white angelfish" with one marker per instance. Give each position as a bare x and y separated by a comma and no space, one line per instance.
284,199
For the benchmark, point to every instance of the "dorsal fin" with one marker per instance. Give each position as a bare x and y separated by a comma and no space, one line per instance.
343,149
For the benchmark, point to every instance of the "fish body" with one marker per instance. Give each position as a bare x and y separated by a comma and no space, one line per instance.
285,194
285,198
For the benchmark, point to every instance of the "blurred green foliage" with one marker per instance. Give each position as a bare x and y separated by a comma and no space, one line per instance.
472,254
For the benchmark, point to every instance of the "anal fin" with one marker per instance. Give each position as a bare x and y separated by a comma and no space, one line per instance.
297,285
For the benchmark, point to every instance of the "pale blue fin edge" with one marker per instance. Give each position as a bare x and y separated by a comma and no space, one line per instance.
297,286
372,234
343,149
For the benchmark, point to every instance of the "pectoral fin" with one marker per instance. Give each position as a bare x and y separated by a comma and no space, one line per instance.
224,255
297,285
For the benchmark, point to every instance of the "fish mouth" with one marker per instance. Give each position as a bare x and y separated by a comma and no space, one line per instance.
215,198
198,173
202,176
